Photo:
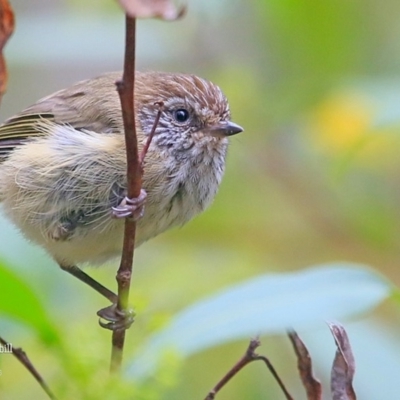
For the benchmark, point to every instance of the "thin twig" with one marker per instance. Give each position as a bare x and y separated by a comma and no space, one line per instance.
145,149
275,375
247,358
24,360
125,89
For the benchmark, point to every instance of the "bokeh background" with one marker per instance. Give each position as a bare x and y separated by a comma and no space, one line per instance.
314,178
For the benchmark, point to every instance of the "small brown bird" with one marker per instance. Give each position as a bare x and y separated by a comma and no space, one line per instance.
63,164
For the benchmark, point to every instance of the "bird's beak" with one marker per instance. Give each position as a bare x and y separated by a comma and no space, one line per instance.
223,128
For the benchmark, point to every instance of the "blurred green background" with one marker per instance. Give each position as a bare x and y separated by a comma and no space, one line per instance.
314,178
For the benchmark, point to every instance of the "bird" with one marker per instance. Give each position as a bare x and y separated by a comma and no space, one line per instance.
63,165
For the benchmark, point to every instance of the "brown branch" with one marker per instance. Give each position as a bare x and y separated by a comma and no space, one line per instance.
125,88
24,360
247,358
135,164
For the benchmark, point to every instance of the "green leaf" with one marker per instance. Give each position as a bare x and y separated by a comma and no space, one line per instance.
19,302
266,304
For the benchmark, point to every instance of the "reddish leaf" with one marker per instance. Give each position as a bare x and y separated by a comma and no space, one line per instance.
311,384
343,366
6,29
164,9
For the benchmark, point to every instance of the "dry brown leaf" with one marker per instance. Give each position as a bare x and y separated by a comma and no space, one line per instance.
164,9
311,384
343,365
6,29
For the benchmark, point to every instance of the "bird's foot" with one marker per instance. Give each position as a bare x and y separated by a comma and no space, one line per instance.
131,207
116,319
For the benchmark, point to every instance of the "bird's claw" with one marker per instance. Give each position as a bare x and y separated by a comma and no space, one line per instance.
117,319
131,207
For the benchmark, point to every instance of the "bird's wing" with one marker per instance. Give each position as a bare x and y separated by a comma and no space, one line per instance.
16,130
79,106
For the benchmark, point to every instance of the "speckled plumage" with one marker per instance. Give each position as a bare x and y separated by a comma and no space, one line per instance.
63,163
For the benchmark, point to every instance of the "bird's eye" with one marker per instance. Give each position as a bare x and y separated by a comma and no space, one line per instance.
181,115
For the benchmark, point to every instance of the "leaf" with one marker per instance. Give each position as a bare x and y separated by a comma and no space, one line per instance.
376,346
311,384
19,302
266,304
163,9
343,366
6,29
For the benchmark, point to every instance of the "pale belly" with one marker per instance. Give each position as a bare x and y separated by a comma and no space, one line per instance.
76,226
96,244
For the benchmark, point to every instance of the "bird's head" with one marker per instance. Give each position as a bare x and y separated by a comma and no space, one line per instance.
195,111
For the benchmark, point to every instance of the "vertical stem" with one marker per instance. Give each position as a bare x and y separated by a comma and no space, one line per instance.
125,89
128,112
